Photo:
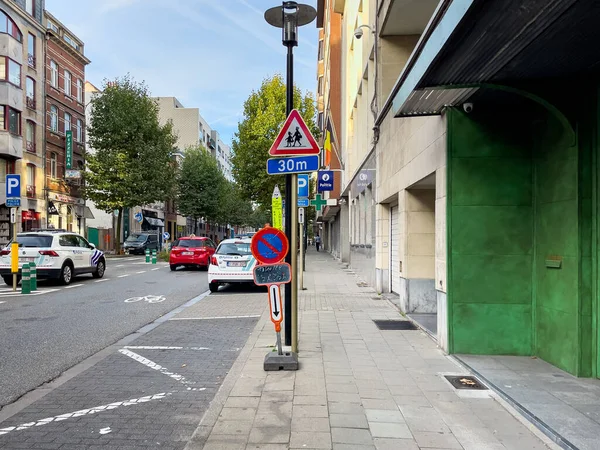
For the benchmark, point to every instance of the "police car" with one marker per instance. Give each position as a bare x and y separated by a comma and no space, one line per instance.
57,254
232,263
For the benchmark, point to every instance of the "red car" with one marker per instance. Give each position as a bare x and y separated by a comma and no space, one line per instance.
191,251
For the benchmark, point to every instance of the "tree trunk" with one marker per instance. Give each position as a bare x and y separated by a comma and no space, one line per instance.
118,235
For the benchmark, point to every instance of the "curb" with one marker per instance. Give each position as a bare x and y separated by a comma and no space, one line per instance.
211,415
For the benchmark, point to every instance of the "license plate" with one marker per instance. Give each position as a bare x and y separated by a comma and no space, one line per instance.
25,259
236,264
187,253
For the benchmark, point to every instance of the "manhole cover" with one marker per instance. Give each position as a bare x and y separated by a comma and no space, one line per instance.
395,325
465,382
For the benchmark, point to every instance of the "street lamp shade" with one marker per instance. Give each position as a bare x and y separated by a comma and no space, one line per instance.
289,16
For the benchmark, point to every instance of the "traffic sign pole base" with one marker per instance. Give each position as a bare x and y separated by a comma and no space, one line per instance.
287,361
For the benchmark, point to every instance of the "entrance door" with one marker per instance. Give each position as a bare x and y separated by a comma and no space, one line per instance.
395,253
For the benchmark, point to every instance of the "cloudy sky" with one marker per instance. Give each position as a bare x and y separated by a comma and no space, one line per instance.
210,54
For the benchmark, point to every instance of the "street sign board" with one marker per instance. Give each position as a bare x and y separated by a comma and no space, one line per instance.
166,236
138,216
318,202
300,215
13,186
296,164
303,203
69,149
303,185
275,306
325,181
13,215
269,245
13,202
72,173
277,209
294,138
267,274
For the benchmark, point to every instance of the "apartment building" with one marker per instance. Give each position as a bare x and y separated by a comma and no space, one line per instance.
21,107
65,127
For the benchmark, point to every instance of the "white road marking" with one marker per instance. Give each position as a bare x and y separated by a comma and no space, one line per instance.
158,268
123,276
159,347
84,412
120,265
19,294
2,302
158,367
213,318
102,280
73,286
141,271
105,430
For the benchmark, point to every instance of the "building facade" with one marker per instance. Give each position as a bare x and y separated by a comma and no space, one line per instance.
65,126
21,104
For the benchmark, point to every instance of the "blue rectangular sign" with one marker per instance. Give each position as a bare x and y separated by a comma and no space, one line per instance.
13,202
295,164
303,203
302,185
13,186
325,181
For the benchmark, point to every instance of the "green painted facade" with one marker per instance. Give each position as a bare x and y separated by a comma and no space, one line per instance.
521,193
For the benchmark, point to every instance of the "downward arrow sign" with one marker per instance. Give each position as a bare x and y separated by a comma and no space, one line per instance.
275,310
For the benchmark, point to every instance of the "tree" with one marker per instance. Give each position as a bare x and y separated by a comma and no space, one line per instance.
234,208
131,164
200,186
264,115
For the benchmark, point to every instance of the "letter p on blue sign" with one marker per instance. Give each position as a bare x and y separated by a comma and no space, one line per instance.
13,186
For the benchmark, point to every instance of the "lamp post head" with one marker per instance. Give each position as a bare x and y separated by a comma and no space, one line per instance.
289,16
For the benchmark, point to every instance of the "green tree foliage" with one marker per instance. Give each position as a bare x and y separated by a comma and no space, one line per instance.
234,208
132,160
201,186
264,115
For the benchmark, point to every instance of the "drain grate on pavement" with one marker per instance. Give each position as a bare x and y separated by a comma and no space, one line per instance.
395,325
465,382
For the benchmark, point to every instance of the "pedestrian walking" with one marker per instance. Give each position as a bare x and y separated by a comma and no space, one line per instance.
318,241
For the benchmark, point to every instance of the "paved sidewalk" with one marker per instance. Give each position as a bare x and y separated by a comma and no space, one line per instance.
358,387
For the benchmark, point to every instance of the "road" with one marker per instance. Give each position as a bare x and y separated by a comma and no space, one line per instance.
43,335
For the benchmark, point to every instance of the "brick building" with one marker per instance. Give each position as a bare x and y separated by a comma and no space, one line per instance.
65,126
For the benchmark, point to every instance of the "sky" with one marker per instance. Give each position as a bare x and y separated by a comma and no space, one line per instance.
210,54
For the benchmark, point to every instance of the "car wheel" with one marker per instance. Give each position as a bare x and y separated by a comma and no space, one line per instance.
8,280
214,287
173,267
100,269
66,274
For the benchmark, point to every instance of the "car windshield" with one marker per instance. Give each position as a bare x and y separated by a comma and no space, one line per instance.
33,240
136,238
234,248
189,243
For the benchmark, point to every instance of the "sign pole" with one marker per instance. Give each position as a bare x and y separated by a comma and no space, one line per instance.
14,251
289,188
301,268
294,283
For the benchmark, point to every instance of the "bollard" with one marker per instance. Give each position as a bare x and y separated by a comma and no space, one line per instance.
33,276
25,279
153,256
147,256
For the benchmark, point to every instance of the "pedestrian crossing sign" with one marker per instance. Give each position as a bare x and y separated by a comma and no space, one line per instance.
294,138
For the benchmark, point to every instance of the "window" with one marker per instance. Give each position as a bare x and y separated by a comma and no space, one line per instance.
30,6
320,51
30,92
69,40
53,165
79,90
30,136
10,71
31,50
67,121
68,240
52,27
54,118
9,27
79,130
67,83
320,88
53,74
30,174
13,117
82,242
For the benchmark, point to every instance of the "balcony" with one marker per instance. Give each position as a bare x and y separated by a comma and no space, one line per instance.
11,145
30,102
211,144
30,146
30,191
31,60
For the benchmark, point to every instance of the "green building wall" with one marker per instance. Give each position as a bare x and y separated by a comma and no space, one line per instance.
521,194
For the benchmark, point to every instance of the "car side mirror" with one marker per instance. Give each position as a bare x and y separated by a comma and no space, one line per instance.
92,246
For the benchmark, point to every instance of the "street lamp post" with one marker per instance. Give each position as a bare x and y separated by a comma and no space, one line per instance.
289,16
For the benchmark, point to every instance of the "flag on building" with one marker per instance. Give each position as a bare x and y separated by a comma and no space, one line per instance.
328,141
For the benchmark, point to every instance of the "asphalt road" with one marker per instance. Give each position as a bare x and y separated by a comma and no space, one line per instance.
45,334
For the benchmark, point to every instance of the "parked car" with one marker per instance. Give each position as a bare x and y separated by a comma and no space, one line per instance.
57,254
138,243
191,252
232,263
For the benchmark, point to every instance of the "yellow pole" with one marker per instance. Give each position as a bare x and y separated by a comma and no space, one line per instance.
14,257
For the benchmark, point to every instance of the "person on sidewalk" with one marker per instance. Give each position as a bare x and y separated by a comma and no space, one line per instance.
318,241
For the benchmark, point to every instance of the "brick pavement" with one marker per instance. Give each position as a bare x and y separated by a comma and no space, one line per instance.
358,387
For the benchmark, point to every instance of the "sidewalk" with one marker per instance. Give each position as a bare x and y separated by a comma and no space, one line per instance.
358,386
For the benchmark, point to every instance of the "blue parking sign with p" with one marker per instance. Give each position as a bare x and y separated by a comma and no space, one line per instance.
13,186
302,185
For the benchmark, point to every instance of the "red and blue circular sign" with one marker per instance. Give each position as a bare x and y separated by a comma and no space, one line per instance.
269,245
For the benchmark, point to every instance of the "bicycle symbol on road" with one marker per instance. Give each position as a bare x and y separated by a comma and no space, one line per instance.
147,298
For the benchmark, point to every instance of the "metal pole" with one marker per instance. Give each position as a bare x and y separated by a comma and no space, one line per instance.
301,263
289,227
294,283
15,248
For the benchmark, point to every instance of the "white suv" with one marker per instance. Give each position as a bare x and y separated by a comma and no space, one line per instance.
57,254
